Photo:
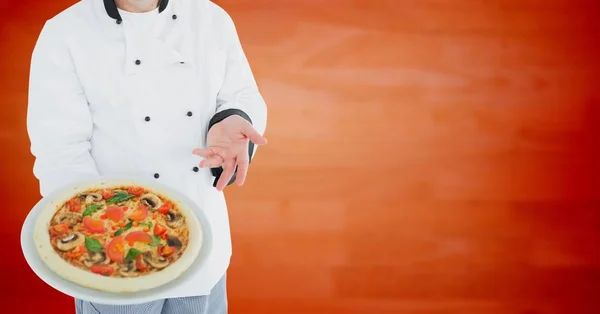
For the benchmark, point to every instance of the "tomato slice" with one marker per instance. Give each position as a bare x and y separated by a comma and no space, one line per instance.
74,205
140,264
106,194
138,236
166,250
159,229
140,213
105,270
60,229
165,208
135,190
115,213
116,249
93,225
77,252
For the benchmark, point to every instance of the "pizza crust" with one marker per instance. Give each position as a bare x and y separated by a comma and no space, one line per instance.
114,284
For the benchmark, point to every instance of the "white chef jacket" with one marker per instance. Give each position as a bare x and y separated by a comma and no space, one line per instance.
107,99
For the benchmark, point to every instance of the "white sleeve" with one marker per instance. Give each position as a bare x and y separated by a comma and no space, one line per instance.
59,122
239,90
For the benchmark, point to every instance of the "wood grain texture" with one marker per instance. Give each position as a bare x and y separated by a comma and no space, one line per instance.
426,157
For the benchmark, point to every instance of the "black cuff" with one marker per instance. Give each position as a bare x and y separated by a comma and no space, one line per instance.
220,116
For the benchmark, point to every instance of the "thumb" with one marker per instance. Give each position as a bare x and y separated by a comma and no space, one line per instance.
253,135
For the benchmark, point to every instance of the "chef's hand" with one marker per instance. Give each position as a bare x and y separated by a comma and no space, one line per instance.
227,146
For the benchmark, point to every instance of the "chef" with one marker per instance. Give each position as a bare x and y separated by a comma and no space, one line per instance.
159,90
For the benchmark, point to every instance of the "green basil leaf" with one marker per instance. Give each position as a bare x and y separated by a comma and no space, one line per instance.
119,197
91,209
147,224
155,241
127,227
93,245
132,254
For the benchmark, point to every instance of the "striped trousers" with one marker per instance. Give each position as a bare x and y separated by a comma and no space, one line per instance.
214,303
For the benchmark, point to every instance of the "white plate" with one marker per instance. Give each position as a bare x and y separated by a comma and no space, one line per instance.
83,293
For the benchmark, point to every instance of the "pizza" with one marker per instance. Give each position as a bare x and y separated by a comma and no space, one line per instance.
119,238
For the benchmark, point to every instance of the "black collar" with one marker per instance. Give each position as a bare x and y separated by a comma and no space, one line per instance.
111,8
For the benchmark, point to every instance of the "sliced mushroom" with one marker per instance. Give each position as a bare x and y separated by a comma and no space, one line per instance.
68,217
173,219
174,242
90,198
70,242
128,269
95,258
155,260
151,200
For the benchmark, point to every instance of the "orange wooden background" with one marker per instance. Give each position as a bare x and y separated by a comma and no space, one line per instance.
425,157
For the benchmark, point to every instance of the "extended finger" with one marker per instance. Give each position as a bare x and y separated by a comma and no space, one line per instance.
250,132
228,170
210,151
242,168
204,152
212,162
